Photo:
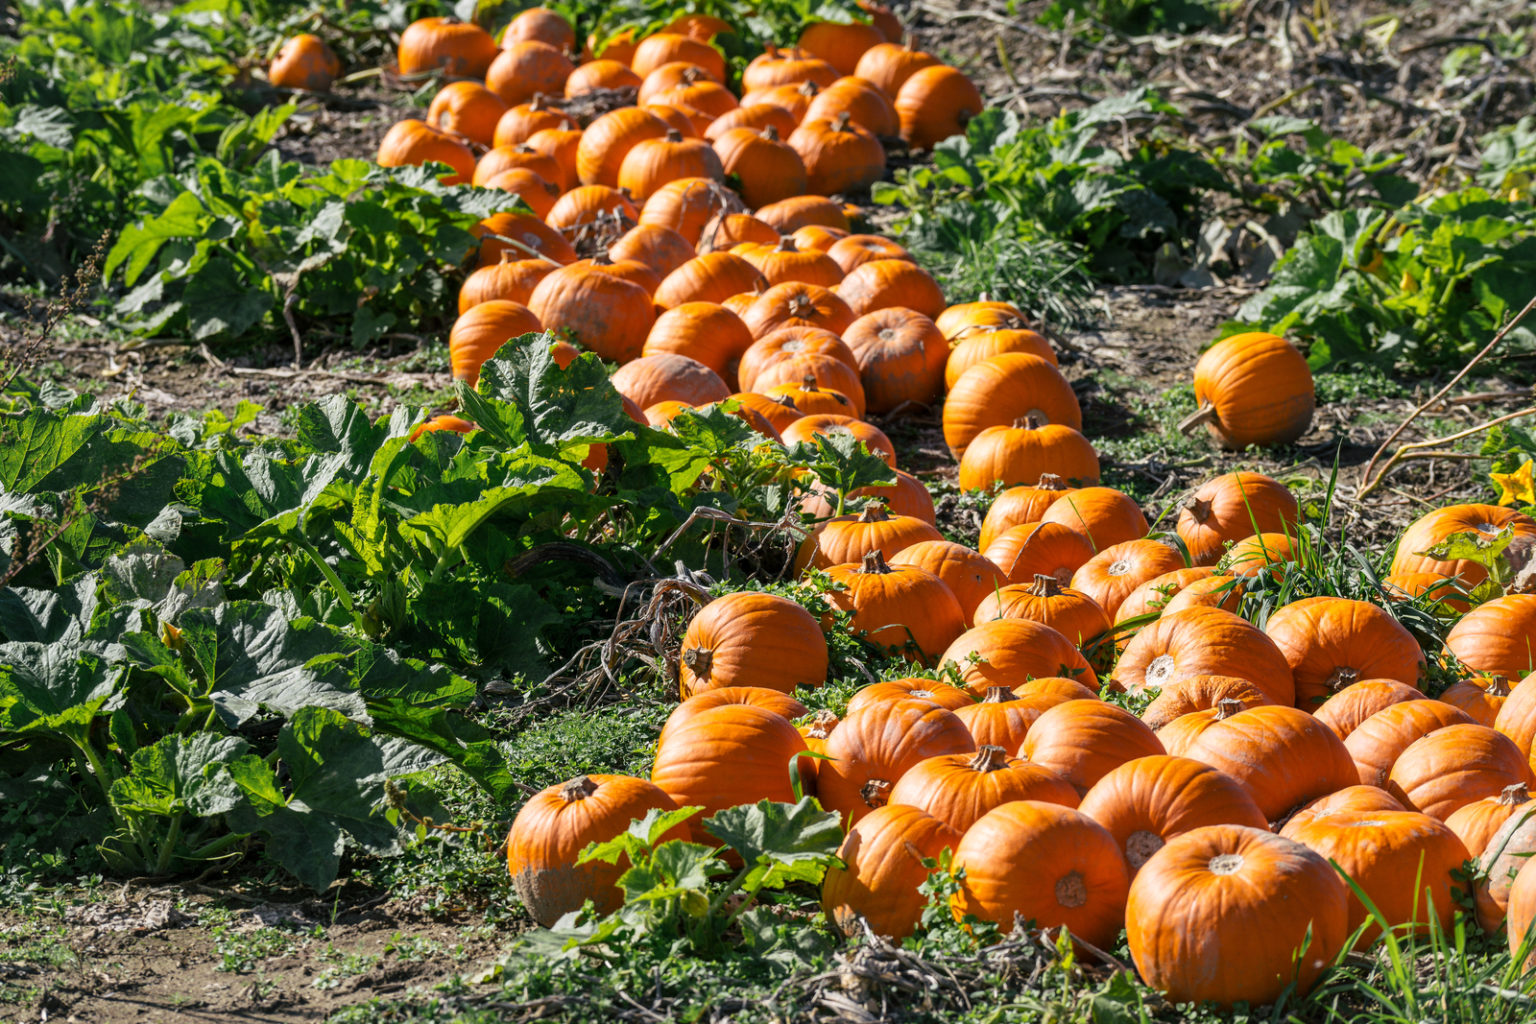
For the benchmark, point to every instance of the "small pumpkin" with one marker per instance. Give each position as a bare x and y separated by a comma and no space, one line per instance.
1230,508
543,25
881,284
520,123
1083,740
1003,390
307,62
1002,719
791,341
512,279
1022,452
1346,710
1008,652
796,304
1019,505
1482,698
525,69
897,607
935,103
900,356
959,789
669,377
968,574
456,48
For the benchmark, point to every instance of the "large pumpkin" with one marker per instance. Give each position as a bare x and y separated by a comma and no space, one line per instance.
1352,706
1084,740
1220,914
1003,390
1204,642
1148,801
1379,740
882,867
1041,862
752,639
1253,388
1428,531
777,701
1330,642
899,607
1282,754
873,747
959,788
1451,767
1025,451
849,538
968,574
557,824
900,356
726,756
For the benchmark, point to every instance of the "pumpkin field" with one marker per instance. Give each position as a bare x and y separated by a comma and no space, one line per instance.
768,511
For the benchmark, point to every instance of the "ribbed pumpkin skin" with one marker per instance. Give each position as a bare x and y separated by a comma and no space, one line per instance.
1330,642
884,854
1349,800
873,747
1039,549
1517,718
543,25
557,824
1042,862
1204,642
1200,693
969,576
1507,852
867,106
1282,754
726,756
1003,390
1084,740
1433,527
935,103
1451,767
1019,505
1231,507
932,690
608,140
512,279
1482,698
1230,935
608,315
888,65
600,74
523,70
1148,801
1401,859
1377,742
653,163
1155,594
959,789
1260,388
900,355
788,216
1069,612
1110,576
1348,709
851,538
789,342
1012,651
757,117
1522,913
531,234
1215,591
897,605
1020,454
459,49
1497,637
713,277
478,333
754,640
1476,823
777,701
1002,719
705,331
1102,514
669,377
838,44
658,247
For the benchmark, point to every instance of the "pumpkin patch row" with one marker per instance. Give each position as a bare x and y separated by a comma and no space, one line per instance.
698,239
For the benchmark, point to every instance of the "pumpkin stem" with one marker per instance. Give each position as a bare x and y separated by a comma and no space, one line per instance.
989,759
770,133
1030,421
822,725
1198,507
786,244
1044,586
1205,414
998,695
840,122
808,383
1341,677
876,792
537,103
1227,707
1498,686
808,88
874,513
799,304
699,661
1514,796
875,564
673,135
523,147
576,789
509,256
1051,482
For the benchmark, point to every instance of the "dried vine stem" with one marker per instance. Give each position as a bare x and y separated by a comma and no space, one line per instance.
1369,483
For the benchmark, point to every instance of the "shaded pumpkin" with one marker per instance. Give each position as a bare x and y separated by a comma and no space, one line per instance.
1439,525
305,61
1498,637
882,869
900,356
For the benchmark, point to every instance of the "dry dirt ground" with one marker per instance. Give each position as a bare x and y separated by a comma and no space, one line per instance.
138,953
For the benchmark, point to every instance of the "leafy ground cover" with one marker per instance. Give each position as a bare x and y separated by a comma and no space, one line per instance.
254,651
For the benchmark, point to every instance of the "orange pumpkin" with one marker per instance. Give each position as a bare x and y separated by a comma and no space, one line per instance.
1346,710
1433,528
652,163
412,143
1451,767
791,341
1200,693
543,25
1205,642
934,103
1498,637
669,47
790,215
839,44
873,747
1148,801
784,262
932,690
1253,388
713,277
849,538
1020,505
959,789
1040,862
1023,452
669,377
557,824
1007,652
969,575
839,155
1233,507
864,103
1112,574
520,123
1102,514
882,869
795,304
658,247
458,49
900,356
484,328
539,195
880,284
767,168
1003,390
752,639
1039,549
897,607
1330,642
1002,719
1377,742
607,315
1476,823
704,331
599,76
1282,754
1084,740
1481,698
608,140
960,319
512,279
304,61
525,69
757,117
1071,613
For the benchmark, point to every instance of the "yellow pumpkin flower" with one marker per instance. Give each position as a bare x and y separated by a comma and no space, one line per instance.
1517,486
